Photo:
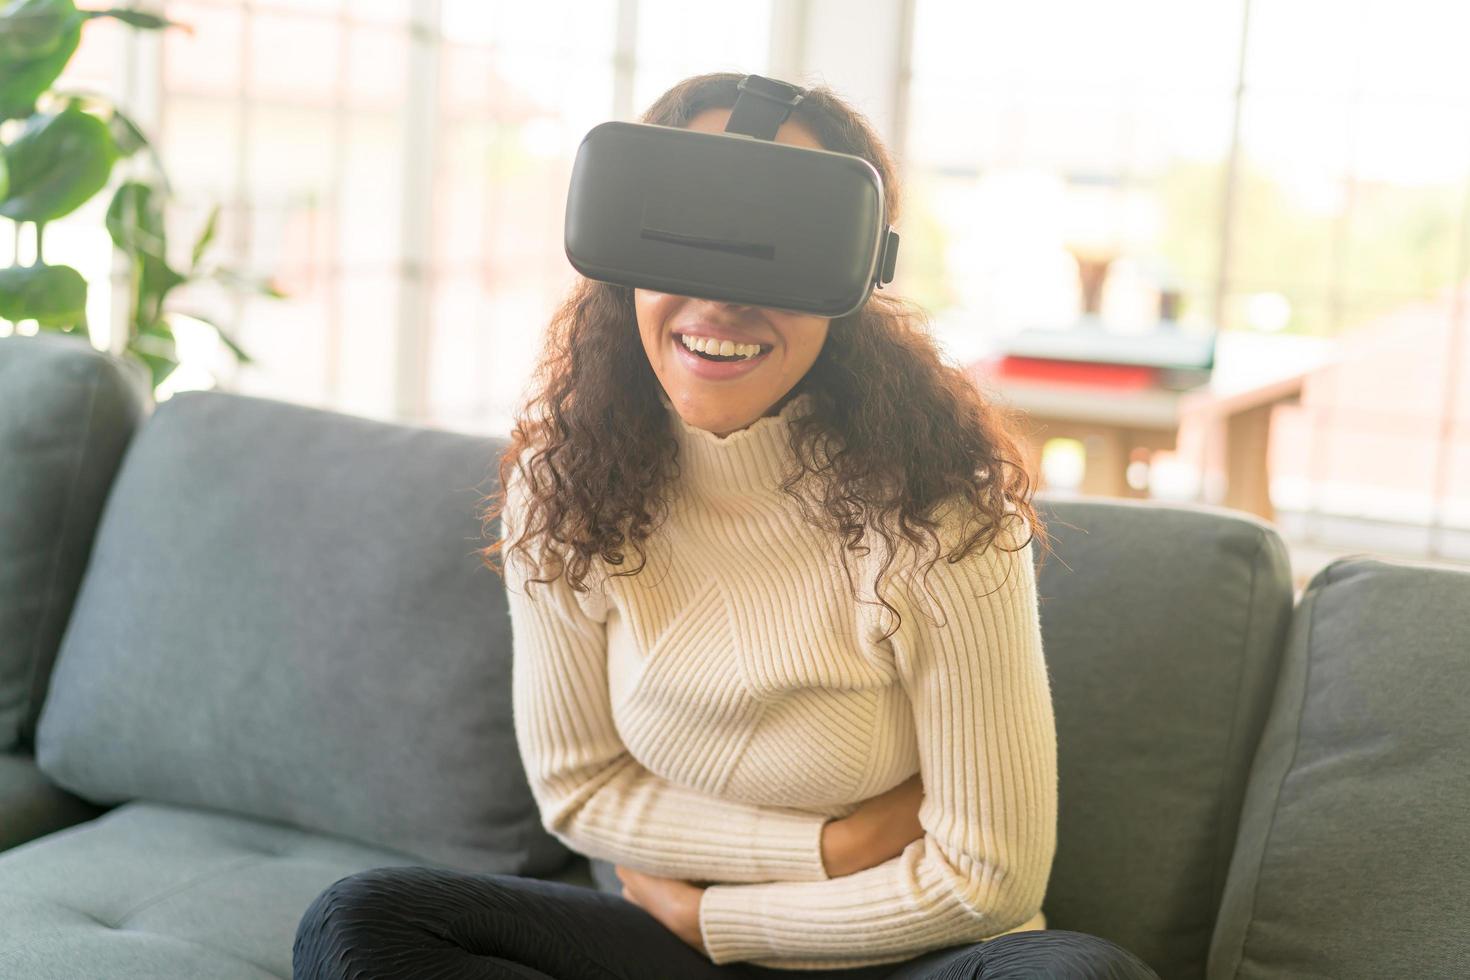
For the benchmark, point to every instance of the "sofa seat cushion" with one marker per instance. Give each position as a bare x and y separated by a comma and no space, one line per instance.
1352,860
31,805
285,617
154,892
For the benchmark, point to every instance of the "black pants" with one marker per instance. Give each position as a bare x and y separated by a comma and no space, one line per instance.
432,924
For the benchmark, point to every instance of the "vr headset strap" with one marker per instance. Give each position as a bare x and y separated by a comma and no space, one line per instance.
762,106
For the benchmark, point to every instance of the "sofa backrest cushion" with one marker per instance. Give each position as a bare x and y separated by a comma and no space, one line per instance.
1352,857
67,412
285,617
1162,626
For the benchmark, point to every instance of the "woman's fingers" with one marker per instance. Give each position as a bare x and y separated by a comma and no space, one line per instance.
624,875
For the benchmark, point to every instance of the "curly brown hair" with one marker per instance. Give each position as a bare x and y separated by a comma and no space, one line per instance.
902,432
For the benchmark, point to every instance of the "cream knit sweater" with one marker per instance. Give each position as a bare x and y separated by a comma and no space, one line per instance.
702,719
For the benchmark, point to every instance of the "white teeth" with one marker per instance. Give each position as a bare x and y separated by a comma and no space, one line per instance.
724,348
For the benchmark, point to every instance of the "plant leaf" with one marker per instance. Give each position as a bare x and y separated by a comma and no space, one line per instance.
205,237
232,278
135,221
52,295
136,18
159,367
22,82
159,278
58,161
125,133
154,345
32,28
28,68
239,351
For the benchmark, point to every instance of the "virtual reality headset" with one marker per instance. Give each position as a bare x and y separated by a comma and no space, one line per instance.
730,216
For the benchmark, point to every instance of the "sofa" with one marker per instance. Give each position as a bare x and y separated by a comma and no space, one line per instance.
247,648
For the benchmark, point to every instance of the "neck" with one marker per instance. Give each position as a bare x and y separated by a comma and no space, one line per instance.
746,462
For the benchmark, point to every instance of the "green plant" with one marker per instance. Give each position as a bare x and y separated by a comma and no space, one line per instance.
61,154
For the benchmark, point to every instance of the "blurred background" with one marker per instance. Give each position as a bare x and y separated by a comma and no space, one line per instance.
1206,251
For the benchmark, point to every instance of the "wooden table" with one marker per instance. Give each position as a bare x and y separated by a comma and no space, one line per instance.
1253,374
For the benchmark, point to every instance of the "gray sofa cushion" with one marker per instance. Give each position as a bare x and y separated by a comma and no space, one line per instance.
1163,627
150,891
285,617
31,805
67,412
156,892
1352,853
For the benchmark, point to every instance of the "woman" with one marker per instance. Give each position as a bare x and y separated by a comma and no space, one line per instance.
796,765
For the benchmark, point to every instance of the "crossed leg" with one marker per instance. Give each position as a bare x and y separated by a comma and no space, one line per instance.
402,922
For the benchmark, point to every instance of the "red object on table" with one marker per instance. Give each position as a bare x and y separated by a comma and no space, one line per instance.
1126,376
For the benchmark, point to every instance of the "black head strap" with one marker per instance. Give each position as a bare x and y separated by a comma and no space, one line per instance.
762,106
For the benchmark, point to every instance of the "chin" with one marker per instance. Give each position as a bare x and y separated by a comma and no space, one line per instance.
722,422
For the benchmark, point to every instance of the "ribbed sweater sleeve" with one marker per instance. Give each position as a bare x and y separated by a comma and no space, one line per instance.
592,794
981,700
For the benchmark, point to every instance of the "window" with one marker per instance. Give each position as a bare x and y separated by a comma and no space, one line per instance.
399,168
1274,167
1049,133
1039,132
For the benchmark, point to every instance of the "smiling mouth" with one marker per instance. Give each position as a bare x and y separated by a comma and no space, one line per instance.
722,358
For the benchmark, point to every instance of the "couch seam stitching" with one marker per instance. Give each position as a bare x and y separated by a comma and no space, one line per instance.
1290,765
1216,876
66,516
152,900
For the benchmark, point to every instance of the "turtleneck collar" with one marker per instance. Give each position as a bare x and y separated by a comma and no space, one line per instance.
748,461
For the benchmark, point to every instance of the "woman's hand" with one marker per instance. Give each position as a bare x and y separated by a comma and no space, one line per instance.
672,902
879,829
